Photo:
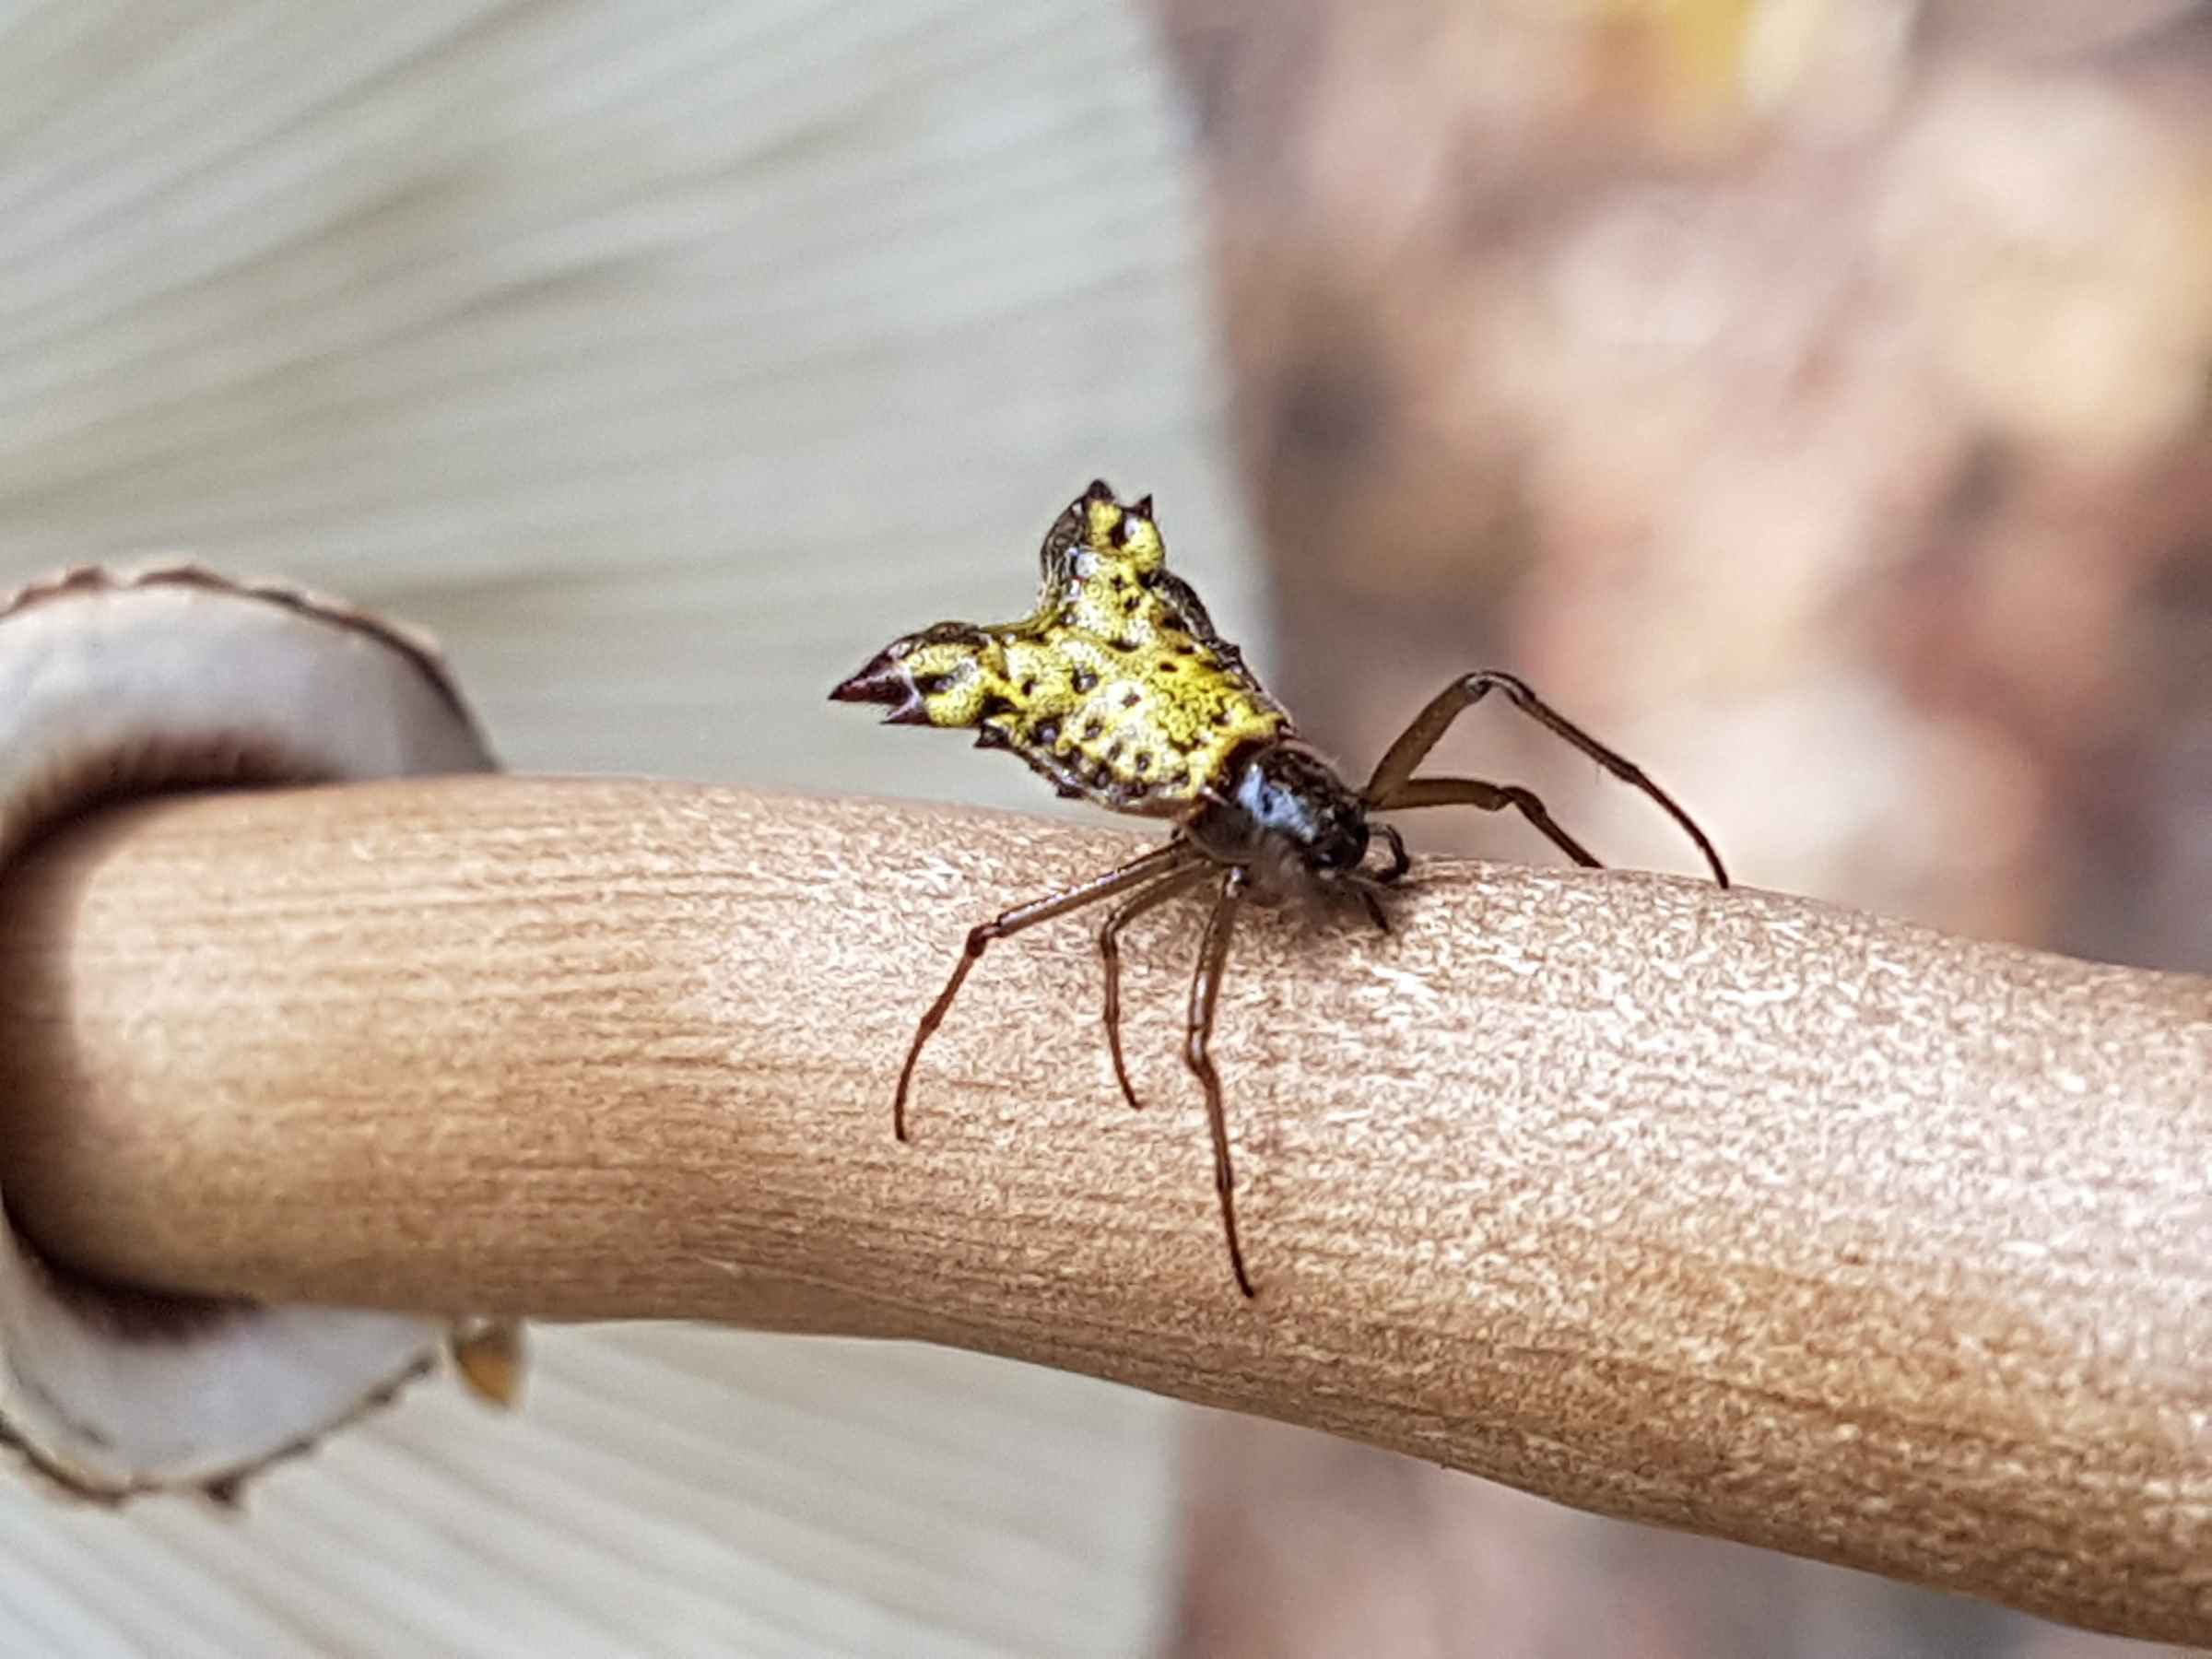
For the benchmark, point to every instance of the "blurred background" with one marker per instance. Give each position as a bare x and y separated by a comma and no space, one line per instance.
1814,397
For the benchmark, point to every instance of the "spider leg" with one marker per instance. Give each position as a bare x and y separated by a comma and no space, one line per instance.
1399,862
1134,874
1490,797
1110,949
1205,989
1395,768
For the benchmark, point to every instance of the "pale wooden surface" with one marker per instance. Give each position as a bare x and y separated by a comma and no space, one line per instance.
664,359
1728,1210
663,1493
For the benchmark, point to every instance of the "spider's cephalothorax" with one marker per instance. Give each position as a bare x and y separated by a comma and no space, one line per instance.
1118,689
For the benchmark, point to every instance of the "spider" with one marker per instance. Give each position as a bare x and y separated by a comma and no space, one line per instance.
1119,691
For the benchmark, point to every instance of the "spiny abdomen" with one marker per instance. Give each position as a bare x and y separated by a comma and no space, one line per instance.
1116,689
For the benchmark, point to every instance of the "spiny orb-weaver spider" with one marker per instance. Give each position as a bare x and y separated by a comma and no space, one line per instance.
1119,691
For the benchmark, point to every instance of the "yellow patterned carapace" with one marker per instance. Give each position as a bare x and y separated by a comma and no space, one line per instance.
1116,688
1119,691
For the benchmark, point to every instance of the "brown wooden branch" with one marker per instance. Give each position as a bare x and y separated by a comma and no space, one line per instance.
1728,1211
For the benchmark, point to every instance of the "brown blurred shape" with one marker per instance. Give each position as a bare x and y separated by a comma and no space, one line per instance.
1816,397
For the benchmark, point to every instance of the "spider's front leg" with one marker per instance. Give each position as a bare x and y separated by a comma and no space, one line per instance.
1394,787
1400,859
1489,797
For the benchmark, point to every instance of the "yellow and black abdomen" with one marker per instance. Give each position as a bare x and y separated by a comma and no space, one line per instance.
1116,689
1145,729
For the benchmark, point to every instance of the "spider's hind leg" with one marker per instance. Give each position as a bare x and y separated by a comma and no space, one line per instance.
981,937
1110,950
1205,992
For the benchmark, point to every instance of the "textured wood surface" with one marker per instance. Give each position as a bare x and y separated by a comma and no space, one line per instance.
661,359
1729,1211
665,1490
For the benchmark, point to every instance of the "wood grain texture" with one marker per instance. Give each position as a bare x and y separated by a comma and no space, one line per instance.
1728,1211
669,1490
660,358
